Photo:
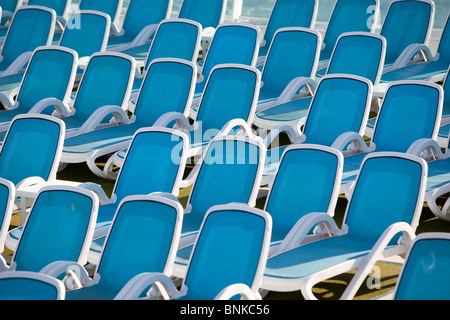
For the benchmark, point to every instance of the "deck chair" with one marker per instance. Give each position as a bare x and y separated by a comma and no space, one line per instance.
403,37
307,180
31,27
102,95
287,13
60,226
42,137
410,111
112,8
24,285
61,8
424,274
445,117
167,87
7,198
348,16
223,49
229,171
152,225
139,24
430,68
380,222
8,9
208,14
220,112
438,181
50,74
356,53
293,53
241,234
87,32
174,38
398,30
328,118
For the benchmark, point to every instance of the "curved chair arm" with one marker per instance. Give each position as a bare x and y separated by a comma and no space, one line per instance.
61,109
103,198
115,32
242,124
431,197
179,118
426,148
120,117
144,36
299,234
293,135
409,53
8,15
8,102
237,289
18,64
4,265
353,142
294,86
76,275
136,286
61,23
376,253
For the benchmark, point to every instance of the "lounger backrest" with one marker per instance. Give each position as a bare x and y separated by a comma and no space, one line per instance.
359,53
141,13
167,87
87,32
30,28
329,116
60,227
411,110
389,189
307,180
154,163
106,81
145,233
232,43
218,106
209,13
348,16
175,38
50,74
406,22
231,248
32,148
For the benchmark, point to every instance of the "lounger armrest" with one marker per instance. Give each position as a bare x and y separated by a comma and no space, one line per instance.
293,135
179,118
378,253
97,189
9,105
237,289
119,117
299,234
76,275
293,88
28,182
136,286
60,23
115,32
8,15
409,53
352,142
4,265
431,198
144,36
428,149
243,127
61,109
18,64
